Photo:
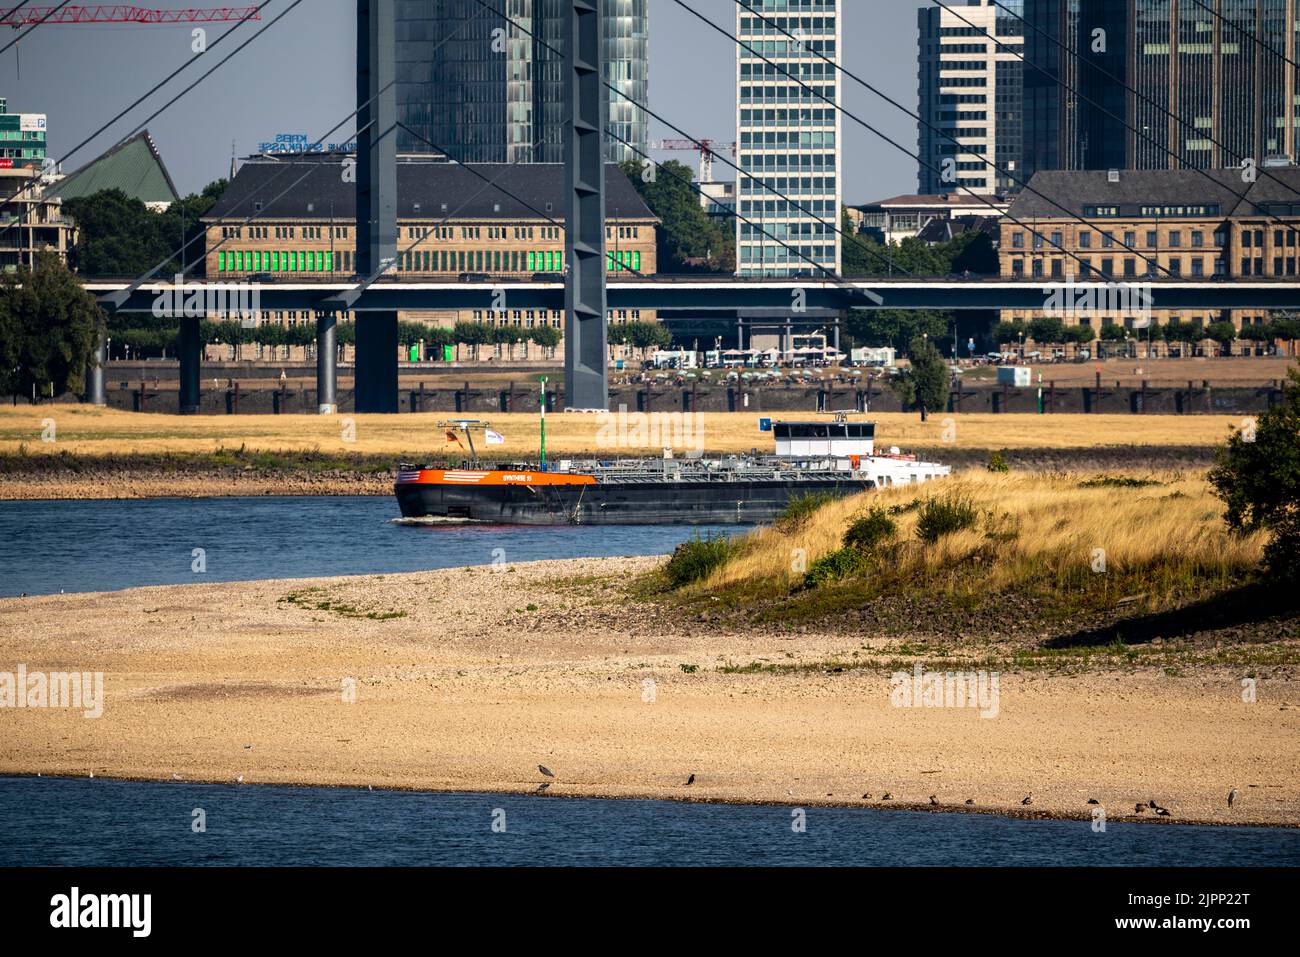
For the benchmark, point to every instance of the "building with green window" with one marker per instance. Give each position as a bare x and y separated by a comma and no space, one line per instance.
293,217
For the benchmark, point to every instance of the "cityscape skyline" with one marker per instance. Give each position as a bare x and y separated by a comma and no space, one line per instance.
254,97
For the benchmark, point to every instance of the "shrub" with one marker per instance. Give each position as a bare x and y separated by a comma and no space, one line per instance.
1258,477
697,559
998,462
943,516
839,564
800,509
871,529
1118,481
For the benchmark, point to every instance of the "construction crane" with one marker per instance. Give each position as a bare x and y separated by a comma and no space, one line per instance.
706,148
122,13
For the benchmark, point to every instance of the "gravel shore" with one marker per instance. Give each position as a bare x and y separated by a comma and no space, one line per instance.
468,679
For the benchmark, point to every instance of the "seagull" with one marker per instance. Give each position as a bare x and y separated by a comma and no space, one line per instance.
1232,796
370,787
543,786
239,780
545,770
1028,799
175,776
690,780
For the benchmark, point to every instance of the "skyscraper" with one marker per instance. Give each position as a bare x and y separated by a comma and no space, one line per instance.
970,91
788,136
485,91
1160,84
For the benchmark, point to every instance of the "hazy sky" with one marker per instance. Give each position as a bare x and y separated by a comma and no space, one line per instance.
297,77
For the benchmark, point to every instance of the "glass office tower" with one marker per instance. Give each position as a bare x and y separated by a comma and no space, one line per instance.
480,88
788,136
969,71
1218,66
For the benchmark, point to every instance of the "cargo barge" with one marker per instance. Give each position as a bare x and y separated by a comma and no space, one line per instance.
812,458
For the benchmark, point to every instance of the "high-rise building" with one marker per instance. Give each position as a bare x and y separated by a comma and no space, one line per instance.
23,136
485,91
970,92
788,137
1160,84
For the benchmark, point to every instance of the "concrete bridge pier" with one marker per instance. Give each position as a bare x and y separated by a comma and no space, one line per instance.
327,355
376,365
95,392
189,348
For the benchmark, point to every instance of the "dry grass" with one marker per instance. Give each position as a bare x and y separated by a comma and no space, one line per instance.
82,430
1040,534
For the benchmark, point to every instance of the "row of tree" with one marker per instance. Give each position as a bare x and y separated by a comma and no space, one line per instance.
1050,330
149,337
119,236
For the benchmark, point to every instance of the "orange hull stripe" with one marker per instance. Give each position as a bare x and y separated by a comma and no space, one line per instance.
480,477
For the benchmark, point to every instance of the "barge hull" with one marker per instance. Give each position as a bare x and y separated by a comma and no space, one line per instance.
639,503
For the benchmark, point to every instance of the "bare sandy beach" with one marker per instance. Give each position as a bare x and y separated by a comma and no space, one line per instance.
468,679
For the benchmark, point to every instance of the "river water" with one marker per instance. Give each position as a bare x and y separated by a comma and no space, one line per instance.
50,546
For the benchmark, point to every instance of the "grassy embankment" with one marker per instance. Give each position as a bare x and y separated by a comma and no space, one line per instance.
1055,570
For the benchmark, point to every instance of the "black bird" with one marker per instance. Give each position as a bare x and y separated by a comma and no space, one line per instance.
970,800
867,796
1029,799
1139,808
1162,812
934,801
690,780
545,770
543,786
1093,801
886,796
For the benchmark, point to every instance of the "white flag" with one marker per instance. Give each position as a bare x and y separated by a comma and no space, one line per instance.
494,438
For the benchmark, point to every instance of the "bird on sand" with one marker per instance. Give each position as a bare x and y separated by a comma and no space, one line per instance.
239,780
1139,808
1093,801
690,780
1232,796
545,770
1162,812
175,776
867,796
543,786
970,800
934,801
92,774
1028,799
886,796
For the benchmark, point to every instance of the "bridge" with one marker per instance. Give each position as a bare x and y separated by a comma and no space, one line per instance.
586,292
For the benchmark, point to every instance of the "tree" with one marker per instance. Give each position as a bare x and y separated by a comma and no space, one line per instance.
924,385
1047,330
118,235
51,328
685,231
1257,475
895,327
1222,332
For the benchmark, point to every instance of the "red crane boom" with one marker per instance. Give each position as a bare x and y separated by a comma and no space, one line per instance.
123,13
